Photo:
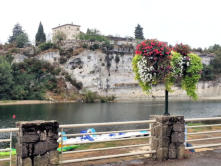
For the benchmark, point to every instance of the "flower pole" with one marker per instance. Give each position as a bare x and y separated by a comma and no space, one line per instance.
155,63
166,104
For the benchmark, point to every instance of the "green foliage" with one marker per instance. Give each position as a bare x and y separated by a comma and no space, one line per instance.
21,40
139,32
78,85
40,35
6,78
208,73
190,80
176,58
184,69
91,97
59,37
30,79
145,86
46,46
92,36
19,37
107,99
33,78
17,30
213,70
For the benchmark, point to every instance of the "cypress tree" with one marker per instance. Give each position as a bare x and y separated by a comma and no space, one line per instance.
40,35
139,32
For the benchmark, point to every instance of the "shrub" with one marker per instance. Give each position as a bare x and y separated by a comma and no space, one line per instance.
46,46
89,96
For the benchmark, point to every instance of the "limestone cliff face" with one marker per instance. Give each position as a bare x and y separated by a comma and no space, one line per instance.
111,74
101,72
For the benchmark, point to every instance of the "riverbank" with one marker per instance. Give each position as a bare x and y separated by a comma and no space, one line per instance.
24,102
118,100
158,99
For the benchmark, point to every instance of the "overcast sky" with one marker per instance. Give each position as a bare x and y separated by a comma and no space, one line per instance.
193,22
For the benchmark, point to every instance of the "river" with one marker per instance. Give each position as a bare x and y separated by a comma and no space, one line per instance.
69,113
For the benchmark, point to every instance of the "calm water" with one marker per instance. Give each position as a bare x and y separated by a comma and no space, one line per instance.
107,112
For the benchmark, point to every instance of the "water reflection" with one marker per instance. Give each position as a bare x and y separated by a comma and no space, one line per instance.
105,112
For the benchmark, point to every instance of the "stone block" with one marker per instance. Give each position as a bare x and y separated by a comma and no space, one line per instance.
43,135
177,137
178,127
41,160
22,150
155,143
164,142
52,135
181,151
172,151
30,138
54,157
166,131
167,137
35,141
26,162
40,148
51,146
162,154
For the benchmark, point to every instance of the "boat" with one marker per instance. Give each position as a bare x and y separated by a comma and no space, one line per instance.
91,136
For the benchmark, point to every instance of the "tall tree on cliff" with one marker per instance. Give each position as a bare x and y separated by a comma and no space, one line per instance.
40,35
139,32
17,30
19,37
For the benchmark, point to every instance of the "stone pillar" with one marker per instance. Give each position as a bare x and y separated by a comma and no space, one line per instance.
168,137
37,143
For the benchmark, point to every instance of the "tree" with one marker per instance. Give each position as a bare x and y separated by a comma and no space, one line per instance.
6,78
40,35
59,37
21,40
17,30
139,32
19,37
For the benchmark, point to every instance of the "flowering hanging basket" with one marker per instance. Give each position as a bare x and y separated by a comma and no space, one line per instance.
155,63
151,63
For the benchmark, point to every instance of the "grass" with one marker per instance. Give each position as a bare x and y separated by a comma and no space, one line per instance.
197,129
111,144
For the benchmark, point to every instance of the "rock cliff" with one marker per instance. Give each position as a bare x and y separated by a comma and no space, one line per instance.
111,74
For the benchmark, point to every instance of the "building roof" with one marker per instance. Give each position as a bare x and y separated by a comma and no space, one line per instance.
66,25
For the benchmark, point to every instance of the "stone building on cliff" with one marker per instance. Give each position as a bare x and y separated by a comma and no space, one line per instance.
70,30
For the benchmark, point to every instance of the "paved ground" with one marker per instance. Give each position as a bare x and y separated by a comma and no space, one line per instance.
207,158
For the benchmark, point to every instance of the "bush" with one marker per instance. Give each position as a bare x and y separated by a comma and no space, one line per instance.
46,46
78,85
208,73
107,99
89,96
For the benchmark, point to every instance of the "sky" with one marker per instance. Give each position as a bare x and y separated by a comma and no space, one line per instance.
193,22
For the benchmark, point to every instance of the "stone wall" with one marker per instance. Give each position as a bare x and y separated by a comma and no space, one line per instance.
37,143
168,137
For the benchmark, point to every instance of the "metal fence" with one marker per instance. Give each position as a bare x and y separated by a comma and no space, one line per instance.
7,140
74,126
202,142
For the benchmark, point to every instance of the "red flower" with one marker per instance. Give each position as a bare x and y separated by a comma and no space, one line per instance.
138,52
